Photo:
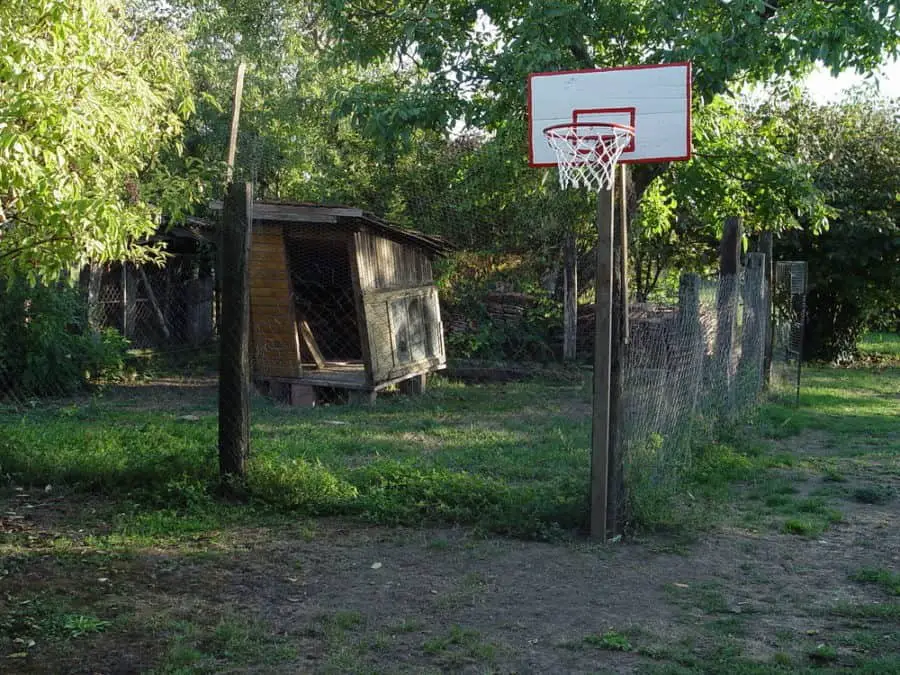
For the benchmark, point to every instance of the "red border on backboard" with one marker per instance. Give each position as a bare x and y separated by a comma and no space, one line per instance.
589,111
642,66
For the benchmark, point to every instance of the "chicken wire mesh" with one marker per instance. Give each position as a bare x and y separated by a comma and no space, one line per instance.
688,366
789,313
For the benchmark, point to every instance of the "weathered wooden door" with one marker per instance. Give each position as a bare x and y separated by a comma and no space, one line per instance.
405,332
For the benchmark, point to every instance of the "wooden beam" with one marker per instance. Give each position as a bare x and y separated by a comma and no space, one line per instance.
296,212
157,310
311,344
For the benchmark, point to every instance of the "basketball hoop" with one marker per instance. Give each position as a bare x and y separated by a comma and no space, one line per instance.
587,152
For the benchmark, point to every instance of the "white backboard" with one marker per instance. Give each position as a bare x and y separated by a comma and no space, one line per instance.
654,99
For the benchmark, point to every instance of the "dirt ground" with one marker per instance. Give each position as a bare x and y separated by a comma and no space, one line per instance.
325,596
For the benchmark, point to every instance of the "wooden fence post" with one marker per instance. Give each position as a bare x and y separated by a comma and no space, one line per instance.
234,351
766,248
726,308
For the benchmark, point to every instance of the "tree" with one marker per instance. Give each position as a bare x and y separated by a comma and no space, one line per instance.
745,162
854,266
87,111
472,58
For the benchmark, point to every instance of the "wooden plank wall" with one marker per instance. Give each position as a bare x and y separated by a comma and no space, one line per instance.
386,265
275,342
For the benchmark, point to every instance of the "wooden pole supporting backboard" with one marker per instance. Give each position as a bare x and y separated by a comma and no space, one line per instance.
602,353
615,497
234,349
570,297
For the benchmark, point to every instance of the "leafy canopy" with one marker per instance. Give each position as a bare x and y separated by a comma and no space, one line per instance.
86,111
854,267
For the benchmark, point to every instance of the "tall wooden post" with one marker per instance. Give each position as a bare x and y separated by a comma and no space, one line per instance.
230,155
570,297
766,248
234,353
602,355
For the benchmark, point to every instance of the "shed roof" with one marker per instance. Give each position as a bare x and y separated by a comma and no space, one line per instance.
306,213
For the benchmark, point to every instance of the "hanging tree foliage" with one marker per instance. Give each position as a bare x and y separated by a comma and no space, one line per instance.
86,110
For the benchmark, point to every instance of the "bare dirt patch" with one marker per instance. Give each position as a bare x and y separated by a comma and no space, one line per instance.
340,597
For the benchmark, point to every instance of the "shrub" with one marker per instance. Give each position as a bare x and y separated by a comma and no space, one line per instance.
46,347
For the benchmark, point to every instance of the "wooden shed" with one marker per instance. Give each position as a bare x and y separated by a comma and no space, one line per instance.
340,299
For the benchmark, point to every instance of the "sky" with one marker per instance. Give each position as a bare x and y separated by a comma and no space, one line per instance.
824,88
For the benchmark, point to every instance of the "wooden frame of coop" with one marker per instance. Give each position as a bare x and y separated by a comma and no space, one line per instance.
341,301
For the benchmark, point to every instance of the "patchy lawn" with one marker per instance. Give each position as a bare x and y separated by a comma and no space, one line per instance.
116,559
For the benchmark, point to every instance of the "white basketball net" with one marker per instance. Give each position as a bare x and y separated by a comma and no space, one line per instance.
586,154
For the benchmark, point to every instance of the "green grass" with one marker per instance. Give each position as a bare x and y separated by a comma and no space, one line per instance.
460,646
881,346
853,404
509,458
513,458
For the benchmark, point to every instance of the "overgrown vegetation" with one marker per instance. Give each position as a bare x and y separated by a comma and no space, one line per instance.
509,458
47,347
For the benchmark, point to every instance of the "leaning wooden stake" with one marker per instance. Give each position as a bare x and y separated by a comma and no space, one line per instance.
235,119
234,351
602,352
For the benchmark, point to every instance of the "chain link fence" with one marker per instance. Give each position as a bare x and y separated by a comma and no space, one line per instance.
789,313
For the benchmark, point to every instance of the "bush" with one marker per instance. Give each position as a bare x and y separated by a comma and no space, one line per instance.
46,347
467,282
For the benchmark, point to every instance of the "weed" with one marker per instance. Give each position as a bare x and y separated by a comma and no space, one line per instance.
704,595
822,654
834,476
406,626
801,527
610,640
460,643
77,625
873,494
886,611
347,620
889,581
782,659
